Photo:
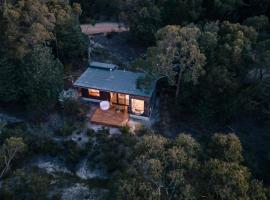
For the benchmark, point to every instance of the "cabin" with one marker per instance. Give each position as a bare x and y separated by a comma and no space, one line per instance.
102,82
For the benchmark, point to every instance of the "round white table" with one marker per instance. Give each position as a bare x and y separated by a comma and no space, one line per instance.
104,105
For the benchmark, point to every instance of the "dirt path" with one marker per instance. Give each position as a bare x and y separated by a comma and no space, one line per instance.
104,27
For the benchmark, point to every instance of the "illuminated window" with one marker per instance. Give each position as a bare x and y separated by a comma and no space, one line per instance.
137,106
93,93
117,98
123,99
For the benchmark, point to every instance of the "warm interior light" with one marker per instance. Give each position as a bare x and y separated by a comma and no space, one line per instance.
93,93
137,106
123,99
118,98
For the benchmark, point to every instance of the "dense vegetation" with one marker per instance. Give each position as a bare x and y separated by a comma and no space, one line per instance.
215,58
161,168
142,166
36,40
145,17
220,69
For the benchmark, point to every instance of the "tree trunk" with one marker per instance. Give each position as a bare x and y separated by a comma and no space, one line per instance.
6,168
178,86
261,74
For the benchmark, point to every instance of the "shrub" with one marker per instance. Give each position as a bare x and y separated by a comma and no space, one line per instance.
75,109
25,185
73,153
125,129
90,132
143,131
66,130
55,122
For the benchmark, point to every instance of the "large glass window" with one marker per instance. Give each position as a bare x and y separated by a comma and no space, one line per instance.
137,106
114,98
93,93
117,98
123,99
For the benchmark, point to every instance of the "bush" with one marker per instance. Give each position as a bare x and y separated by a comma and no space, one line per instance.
125,129
25,185
75,109
73,153
66,130
90,132
143,131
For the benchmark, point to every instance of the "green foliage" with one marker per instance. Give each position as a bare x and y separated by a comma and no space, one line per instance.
90,132
226,180
143,18
176,56
29,73
99,9
8,152
180,12
226,147
28,23
112,152
2,125
70,42
74,109
73,153
258,191
160,168
66,130
9,88
218,9
219,70
143,130
25,185
260,23
42,78
125,129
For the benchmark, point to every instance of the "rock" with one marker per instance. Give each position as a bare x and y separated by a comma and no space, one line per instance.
81,192
50,165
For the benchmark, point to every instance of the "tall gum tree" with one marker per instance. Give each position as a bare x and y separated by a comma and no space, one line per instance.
177,56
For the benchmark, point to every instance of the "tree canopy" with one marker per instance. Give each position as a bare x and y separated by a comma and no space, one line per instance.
161,168
220,66
35,37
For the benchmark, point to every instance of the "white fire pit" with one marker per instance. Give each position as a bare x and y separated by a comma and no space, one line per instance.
104,105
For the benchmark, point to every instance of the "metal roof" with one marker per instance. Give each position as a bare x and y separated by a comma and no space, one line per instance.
103,65
112,80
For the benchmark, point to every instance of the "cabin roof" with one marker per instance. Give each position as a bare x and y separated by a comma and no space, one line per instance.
112,80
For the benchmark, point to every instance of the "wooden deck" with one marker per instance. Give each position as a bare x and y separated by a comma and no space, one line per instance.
110,117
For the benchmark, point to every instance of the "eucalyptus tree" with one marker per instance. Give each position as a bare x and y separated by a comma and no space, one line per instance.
29,23
9,150
177,56
184,169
